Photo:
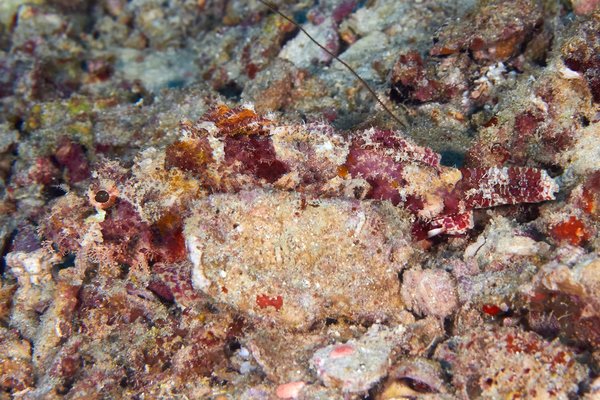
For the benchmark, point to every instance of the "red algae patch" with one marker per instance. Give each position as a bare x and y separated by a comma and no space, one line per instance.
571,231
266,301
492,310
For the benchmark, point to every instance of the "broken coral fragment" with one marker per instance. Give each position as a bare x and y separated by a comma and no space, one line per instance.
15,362
566,291
31,268
413,377
496,263
429,292
502,244
300,51
504,362
359,370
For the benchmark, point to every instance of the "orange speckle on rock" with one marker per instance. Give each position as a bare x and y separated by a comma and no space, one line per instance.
507,47
446,50
266,301
510,346
343,171
560,358
237,117
492,122
539,297
426,244
572,231
222,109
588,204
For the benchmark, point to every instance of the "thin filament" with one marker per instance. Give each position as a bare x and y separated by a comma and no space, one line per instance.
272,7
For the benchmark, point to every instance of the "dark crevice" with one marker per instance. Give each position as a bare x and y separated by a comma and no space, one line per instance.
289,36
65,387
51,192
452,159
4,249
231,91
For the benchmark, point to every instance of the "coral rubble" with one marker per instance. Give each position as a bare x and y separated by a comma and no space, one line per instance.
490,371
197,202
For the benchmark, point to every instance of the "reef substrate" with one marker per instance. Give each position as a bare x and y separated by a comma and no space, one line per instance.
196,202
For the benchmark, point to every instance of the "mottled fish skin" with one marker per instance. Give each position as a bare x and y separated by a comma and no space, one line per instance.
236,149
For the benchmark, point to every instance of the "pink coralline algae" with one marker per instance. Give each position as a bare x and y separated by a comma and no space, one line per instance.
174,284
71,156
229,150
415,81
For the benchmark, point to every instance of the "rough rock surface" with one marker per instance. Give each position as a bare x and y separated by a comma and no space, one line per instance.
358,364
428,292
507,362
334,258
